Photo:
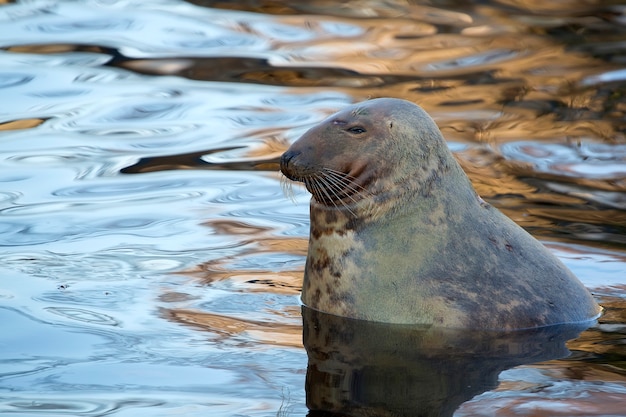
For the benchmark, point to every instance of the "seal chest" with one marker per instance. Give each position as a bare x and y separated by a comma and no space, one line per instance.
399,235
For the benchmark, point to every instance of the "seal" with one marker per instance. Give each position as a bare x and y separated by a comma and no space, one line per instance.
399,235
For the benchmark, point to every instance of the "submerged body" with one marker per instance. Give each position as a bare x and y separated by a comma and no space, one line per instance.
399,235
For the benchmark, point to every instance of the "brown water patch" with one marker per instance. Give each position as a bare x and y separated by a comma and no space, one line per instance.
243,331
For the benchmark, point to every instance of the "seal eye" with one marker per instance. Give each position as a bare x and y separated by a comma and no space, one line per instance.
357,130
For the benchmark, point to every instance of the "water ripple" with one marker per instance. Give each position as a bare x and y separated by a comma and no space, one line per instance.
83,315
8,197
72,407
124,263
64,228
296,217
274,119
86,25
8,79
82,206
251,194
118,188
145,111
68,294
151,133
232,41
284,32
595,160
475,59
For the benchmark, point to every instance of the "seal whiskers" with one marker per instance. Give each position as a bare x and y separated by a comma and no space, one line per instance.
353,191
347,183
330,186
327,185
287,186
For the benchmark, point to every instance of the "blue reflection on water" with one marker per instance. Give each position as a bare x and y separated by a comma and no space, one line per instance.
93,248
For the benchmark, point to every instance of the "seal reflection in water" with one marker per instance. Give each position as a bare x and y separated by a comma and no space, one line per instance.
399,235
364,368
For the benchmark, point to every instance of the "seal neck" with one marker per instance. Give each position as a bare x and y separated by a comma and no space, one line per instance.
444,187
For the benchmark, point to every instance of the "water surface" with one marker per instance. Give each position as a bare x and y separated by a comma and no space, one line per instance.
151,263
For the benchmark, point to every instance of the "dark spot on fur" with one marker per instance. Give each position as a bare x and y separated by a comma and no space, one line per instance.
335,272
317,232
354,224
321,263
508,247
434,177
336,297
330,216
341,232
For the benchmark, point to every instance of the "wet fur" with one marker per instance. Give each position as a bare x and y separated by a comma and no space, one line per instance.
399,235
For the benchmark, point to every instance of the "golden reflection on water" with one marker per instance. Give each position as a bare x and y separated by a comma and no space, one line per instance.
286,330
21,124
492,79
246,331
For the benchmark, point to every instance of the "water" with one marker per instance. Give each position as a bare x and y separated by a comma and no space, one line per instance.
151,264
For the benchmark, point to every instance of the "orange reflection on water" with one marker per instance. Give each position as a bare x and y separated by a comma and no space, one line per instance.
254,240
243,330
286,328
21,124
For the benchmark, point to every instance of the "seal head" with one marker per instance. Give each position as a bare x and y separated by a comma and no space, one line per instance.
399,235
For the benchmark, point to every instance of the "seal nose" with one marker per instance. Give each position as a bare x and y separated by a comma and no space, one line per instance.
285,159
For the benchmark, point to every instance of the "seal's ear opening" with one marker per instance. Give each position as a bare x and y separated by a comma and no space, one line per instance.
390,123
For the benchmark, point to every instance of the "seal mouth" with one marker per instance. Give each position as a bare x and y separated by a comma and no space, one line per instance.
328,186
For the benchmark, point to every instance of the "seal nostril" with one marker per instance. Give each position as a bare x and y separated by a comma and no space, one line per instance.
286,158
